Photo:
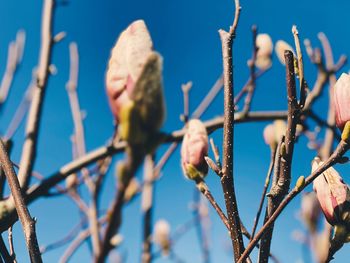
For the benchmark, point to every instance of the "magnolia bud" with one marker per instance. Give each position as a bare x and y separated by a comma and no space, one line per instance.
280,47
333,195
274,132
128,58
134,85
162,235
269,135
265,48
310,210
193,150
342,100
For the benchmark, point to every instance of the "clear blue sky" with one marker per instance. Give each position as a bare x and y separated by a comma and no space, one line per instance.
185,33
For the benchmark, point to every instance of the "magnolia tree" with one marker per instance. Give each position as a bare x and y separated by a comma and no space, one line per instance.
135,92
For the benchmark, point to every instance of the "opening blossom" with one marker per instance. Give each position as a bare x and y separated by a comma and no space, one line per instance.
341,100
333,195
193,150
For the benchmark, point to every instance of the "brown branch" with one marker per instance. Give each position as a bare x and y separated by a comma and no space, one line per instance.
42,189
30,144
281,187
341,149
27,222
203,188
227,181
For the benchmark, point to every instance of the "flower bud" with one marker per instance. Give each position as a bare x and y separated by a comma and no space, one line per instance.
128,58
274,132
193,150
280,47
162,235
333,195
310,210
265,48
134,85
342,100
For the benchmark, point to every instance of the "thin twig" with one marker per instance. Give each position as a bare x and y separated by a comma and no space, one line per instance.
11,246
202,237
147,209
266,185
251,64
14,58
185,90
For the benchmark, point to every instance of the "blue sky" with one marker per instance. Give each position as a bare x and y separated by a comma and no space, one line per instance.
185,33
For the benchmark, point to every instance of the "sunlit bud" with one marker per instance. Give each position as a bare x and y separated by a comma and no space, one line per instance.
310,210
116,240
193,150
269,135
333,195
265,48
274,132
281,128
280,47
342,100
162,235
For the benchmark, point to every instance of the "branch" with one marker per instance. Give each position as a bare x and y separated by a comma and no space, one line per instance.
27,222
14,58
30,144
341,149
227,178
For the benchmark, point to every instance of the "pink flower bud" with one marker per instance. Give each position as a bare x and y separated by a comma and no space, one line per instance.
128,58
265,48
332,193
193,150
342,100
